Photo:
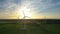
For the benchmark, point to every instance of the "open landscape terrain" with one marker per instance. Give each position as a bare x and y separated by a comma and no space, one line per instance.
33,26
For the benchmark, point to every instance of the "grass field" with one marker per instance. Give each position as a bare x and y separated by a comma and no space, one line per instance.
11,28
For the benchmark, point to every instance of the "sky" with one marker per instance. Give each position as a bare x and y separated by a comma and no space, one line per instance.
33,9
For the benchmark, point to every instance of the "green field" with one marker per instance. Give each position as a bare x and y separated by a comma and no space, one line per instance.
8,28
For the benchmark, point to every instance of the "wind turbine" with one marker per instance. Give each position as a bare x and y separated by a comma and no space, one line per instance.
24,21
25,15
45,19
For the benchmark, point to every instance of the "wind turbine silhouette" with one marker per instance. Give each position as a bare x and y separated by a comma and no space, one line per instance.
24,16
24,21
45,19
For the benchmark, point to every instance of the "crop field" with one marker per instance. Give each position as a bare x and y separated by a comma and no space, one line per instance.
35,27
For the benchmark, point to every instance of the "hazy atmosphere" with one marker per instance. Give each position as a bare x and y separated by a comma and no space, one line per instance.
29,16
34,9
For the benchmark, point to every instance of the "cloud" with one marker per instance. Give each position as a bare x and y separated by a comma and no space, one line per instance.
38,6
8,4
58,3
8,7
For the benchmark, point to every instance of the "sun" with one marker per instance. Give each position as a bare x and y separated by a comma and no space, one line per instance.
24,11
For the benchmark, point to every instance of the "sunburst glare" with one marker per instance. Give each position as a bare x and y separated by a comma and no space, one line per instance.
24,11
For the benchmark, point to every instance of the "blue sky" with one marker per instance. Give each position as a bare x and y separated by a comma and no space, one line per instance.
48,8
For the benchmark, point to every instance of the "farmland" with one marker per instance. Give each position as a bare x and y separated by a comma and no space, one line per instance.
33,26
